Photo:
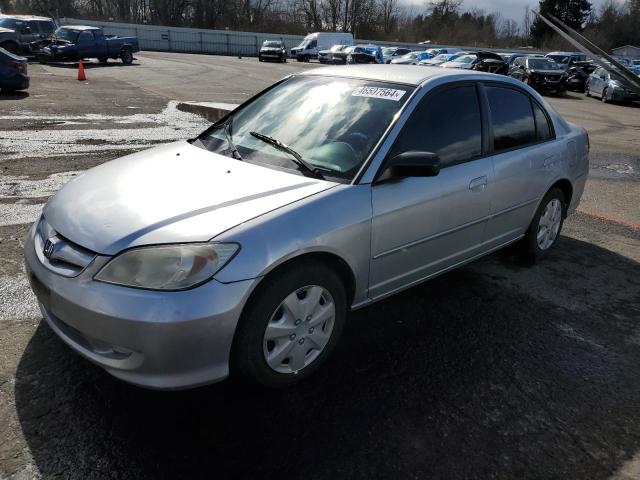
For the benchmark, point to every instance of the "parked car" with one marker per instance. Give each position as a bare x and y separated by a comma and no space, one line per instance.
391,53
74,42
174,266
314,42
365,54
440,59
509,58
542,74
13,72
566,59
609,87
576,80
329,56
24,34
464,62
439,51
411,58
481,61
272,50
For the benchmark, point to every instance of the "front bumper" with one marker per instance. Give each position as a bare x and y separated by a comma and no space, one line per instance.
19,81
160,340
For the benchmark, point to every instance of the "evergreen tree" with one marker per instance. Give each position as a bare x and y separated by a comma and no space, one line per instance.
572,12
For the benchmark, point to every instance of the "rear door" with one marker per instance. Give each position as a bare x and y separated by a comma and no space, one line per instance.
423,225
524,157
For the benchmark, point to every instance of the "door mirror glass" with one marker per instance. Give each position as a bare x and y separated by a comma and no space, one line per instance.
411,164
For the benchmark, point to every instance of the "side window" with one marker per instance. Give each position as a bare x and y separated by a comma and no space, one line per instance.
447,123
85,37
46,28
543,129
511,117
313,44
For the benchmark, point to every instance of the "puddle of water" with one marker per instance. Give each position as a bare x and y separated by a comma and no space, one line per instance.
169,125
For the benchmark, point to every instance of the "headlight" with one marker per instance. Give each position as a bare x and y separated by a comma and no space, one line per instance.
167,267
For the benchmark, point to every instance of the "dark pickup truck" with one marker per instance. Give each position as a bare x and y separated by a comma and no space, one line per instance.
73,42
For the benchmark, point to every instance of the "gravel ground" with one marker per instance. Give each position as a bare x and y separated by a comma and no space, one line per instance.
497,370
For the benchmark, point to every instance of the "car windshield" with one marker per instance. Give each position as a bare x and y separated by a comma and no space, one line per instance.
465,59
333,123
66,34
271,43
542,64
559,58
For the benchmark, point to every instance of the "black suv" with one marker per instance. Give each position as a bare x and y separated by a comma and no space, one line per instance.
273,50
543,74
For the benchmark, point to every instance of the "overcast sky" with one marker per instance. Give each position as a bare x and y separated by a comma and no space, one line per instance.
508,8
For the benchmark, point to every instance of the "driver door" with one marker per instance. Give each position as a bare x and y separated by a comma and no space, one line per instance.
424,225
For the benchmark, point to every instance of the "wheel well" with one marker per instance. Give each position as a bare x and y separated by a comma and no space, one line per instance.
336,263
567,189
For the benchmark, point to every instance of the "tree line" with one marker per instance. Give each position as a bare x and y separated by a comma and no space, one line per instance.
439,21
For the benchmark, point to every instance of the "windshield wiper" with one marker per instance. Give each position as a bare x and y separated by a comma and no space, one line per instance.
296,158
234,150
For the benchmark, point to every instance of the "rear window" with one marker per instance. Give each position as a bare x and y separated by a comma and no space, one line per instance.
511,117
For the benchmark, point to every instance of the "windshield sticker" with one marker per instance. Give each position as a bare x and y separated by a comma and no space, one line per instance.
378,92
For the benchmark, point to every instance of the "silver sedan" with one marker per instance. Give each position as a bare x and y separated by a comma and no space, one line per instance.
242,250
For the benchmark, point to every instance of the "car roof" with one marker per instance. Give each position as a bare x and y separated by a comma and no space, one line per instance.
79,27
407,74
26,17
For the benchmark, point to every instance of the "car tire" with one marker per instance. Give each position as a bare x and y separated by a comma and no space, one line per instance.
126,56
292,353
544,230
604,96
587,93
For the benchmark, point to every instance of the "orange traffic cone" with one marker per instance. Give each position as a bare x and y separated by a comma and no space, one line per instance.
81,76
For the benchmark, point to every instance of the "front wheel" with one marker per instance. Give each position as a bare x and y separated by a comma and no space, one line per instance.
546,225
291,325
604,96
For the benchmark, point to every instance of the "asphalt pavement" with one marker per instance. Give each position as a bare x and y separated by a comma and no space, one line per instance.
501,369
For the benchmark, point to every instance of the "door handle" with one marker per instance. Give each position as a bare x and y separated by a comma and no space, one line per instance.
478,184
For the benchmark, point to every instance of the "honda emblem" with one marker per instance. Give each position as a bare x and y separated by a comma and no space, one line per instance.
48,248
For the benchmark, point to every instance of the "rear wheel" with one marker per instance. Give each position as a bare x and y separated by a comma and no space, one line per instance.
544,231
604,96
290,326
126,56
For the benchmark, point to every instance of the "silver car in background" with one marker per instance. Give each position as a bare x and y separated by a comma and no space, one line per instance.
243,250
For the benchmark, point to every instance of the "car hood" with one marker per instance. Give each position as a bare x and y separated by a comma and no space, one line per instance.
169,194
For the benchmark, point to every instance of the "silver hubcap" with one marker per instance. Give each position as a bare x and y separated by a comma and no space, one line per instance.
549,224
299,329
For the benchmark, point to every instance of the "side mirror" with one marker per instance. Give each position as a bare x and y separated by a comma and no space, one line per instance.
410,164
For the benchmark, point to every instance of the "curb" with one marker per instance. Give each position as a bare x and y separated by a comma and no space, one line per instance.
209,110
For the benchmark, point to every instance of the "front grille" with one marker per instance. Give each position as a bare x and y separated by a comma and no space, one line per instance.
59,254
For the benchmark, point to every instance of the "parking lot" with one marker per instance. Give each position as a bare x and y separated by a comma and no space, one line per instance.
497,370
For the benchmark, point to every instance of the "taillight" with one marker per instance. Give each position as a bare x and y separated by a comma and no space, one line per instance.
20,66
588,142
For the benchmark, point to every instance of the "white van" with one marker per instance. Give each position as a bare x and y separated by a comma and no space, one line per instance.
314,42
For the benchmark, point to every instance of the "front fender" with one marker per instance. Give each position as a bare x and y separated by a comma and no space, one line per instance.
336,221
